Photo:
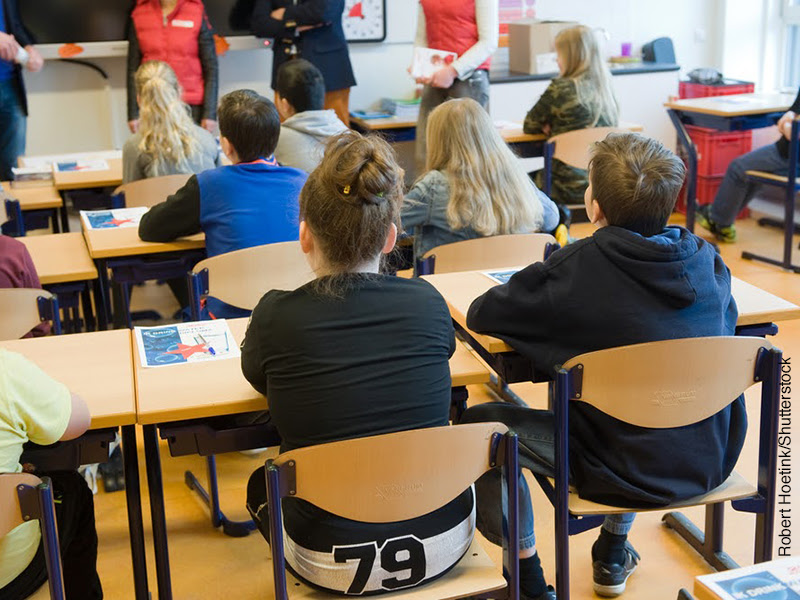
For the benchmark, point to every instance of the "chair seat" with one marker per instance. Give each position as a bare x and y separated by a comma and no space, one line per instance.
733,488
474,574
771,178
43,593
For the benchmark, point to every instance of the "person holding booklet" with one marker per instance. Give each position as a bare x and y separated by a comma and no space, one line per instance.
355,353
470,28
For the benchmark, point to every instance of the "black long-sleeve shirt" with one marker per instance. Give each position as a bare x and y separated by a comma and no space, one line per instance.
178,216
783,143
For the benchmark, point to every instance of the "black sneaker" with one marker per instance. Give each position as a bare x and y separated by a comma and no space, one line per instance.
550,594
610,578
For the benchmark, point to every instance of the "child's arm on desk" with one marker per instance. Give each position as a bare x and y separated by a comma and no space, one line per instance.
178,216
79,419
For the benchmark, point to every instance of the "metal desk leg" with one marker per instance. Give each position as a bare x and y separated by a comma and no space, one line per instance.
64,215
157,512
691,175
135,521
101,295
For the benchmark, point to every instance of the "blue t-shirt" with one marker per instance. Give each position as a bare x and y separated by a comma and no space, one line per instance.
6,68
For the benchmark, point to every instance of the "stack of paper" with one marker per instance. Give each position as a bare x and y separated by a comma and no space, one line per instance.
31,176
407,110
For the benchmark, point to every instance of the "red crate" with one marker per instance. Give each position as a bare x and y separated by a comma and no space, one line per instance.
716,149
706,190
690,89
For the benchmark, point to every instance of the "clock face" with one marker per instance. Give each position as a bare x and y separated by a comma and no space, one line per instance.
364,20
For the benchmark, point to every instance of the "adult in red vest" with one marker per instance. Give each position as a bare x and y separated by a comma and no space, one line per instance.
178,33
469,28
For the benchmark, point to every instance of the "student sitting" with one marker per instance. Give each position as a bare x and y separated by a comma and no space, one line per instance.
351,354
18,271
474,185
580,97
249,203
300,96
634,281
35,408
167,141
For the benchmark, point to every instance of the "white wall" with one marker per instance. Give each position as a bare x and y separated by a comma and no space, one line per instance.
74,109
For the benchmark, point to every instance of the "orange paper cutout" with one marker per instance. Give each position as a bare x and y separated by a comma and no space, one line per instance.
221,44
69,50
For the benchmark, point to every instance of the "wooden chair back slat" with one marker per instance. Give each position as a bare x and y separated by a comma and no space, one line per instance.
242,277
10,512
573,147
670,383
494,252
153,190
394,477
19,311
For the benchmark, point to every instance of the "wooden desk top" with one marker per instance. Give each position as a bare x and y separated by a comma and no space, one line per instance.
124,241
736,105
60,257
382,123
460,289
34,198
74,180
96,366
208,389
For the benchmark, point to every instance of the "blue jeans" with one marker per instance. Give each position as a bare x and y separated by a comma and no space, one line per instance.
535,430
12,129
734,192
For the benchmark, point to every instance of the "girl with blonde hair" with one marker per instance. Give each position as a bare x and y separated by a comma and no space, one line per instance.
474,185
167,141
580,97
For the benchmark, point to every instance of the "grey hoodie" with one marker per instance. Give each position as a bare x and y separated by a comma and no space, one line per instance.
303,137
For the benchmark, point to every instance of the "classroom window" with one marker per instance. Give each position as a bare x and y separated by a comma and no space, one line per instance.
791,71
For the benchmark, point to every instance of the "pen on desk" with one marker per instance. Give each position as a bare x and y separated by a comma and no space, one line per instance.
210,348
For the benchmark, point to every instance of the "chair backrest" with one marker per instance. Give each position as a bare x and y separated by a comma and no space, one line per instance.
573,147
242,277
22,309
10,510
396,476
494,252
151,191
670,383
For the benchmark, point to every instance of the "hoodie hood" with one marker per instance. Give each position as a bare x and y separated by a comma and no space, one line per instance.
674,264
319,124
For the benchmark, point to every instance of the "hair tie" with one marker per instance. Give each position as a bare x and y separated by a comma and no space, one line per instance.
346,190
380,194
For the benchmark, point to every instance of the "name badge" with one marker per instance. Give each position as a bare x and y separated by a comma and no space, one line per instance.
179,23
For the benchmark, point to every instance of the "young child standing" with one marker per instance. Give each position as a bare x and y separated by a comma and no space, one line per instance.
249,203
580,97
474,185
300,98
635,280
34,407
351,354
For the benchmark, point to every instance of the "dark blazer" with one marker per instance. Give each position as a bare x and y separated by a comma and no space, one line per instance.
15,27
325,47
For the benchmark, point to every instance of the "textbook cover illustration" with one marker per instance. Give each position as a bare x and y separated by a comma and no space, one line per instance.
776,580
427,61
500,276
80,165
111,219
185,342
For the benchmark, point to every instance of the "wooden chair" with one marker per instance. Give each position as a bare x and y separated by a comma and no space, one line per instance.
149,192
22,309
638,384
494,252
25,497
341,478
791,185
242,277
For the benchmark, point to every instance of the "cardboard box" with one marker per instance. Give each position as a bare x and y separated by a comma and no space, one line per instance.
529,39
773,579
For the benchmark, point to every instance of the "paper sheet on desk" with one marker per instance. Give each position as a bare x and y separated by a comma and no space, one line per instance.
112,219
185,342
501,276
71,166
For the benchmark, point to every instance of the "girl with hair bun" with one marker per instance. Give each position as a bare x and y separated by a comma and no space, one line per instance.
354,353
167,141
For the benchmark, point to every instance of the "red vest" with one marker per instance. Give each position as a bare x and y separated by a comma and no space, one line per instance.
174,41
451,26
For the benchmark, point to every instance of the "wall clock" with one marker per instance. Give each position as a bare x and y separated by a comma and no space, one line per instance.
364,20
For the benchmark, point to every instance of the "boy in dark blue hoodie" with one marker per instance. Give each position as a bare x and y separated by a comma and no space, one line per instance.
634,281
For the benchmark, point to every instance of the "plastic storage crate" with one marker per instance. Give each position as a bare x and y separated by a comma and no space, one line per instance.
716,149
690,89
706,190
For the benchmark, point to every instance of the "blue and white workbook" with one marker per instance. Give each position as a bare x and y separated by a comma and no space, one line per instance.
774,580
112,219
199,341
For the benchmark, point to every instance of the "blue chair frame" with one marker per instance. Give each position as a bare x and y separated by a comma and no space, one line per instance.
568,385
792,186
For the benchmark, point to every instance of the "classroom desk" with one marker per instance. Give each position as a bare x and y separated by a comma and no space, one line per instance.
757,308
99,367
124,242
215,388
80,180
738,112
65,268
36,198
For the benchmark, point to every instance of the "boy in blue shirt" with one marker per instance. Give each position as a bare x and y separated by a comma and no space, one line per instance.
252,202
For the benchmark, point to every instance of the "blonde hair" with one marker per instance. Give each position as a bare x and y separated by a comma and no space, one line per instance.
489,190
164,121
582,63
